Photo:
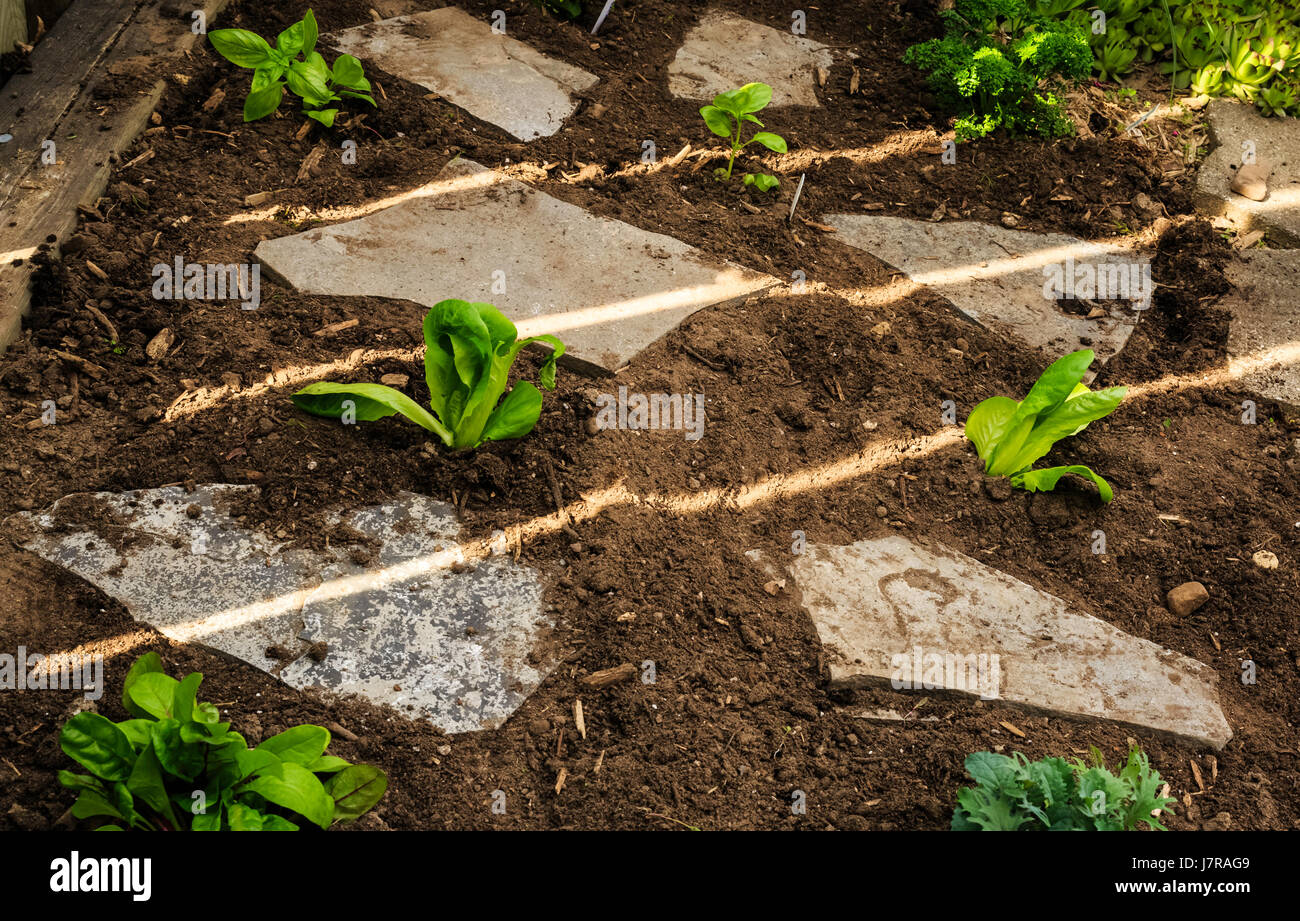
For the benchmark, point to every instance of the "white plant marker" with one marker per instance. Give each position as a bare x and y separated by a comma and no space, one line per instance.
600,20
797,192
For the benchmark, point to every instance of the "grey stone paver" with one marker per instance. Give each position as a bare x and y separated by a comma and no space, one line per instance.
492,76
724,51
1275,144
890,610
1264,332
996,276
606,288
397,629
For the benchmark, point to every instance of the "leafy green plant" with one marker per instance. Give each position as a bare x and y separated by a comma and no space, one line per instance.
175,767
293,62
1016,794
1010,435
1000,65
469,349
561,9
726,118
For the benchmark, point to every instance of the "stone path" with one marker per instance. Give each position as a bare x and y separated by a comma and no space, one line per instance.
890,610
723,52
417,627
996,276
606,288
1264,334
491,76
1275,143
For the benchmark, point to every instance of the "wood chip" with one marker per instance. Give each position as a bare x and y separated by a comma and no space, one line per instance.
336,327
81,364
854,82
679,156
160,344
600,759
1013,729
103,321
310,162
142,158
1164,791
606,677
96,271
258,198
1214,768
578,721
1249,240
559,781
217,98
824,228
1196,775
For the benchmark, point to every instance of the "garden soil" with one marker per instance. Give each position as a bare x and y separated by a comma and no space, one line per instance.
738,717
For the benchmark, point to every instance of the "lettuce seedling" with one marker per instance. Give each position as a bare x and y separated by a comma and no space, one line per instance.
175,767
469,349
293,62
727,116
1016,794
1010,436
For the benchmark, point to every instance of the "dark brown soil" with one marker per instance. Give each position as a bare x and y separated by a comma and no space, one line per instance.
738,717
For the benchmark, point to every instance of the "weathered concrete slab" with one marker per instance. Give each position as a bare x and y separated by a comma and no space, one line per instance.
1239,129
1264,335
1000,277
892,611
725,51
606,288
492,76
417,626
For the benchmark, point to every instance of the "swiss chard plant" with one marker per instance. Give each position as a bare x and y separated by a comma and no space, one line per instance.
1000,65
469,349
175,766
1016,794
727,117
295,63
1010,436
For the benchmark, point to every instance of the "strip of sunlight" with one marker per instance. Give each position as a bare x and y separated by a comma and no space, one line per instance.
1237,368
480,179
873,458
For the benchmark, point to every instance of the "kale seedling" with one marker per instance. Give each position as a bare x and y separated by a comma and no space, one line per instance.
295,62
1016,794
175,767
727,116
1010,436
469,349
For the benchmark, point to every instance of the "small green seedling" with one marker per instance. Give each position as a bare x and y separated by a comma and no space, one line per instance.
1016,794
727,116
1010,436
469,349
175,767
295,62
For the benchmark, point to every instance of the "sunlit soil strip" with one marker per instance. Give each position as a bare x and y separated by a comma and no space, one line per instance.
1287,355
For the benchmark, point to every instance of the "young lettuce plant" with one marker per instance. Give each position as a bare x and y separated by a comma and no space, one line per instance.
728,115
295,62
1010,436
469,349
175,767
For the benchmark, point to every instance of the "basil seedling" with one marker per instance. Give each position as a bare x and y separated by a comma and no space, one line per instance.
726,118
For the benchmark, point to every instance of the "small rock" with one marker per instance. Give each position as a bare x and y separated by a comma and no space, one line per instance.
1221,822
160,345
1010,220
1251,181
598,109
395,380
880,329
1186,598
1265,559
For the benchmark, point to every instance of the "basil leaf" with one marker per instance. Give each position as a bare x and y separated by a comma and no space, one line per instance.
240,47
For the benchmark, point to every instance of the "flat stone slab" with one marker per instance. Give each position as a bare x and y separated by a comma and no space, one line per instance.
1276,145
492,76
397,629
892,611
1264,335
725,51
606,288
997,276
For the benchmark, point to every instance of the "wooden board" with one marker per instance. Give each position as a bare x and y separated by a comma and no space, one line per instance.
40,205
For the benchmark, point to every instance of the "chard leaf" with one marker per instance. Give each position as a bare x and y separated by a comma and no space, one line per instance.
355,790
149,662
155,694
94,742
298,790
183,697
301,744
371,401
988,422
1045,480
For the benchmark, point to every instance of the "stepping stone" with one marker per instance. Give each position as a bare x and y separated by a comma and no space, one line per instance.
1276,145
493,77
606,288
724,52
998,277
889,609
1264,335
397,630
